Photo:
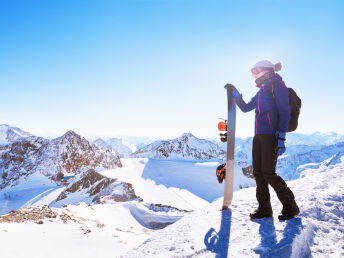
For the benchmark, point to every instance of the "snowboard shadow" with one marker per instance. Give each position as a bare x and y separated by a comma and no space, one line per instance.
218,242
269,247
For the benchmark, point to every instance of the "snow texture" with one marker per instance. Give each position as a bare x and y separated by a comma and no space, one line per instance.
317,232
132,229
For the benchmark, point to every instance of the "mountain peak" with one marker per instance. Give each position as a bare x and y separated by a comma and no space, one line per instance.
70,133
187,135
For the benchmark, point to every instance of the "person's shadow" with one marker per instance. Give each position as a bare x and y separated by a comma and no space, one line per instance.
269,247
218,242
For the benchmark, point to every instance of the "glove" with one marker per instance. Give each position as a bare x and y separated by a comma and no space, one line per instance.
280,137
235,92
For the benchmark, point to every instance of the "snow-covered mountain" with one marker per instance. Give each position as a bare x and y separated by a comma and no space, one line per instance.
9,134
54,159
116,145
186,147
314,139
296,140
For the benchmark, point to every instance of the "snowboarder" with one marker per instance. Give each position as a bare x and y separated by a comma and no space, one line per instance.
271,124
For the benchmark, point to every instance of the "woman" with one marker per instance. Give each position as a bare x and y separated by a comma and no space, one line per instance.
271,104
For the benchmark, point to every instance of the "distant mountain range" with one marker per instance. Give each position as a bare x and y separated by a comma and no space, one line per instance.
186,147
116,145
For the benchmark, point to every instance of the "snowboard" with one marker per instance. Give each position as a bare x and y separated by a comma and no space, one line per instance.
229,179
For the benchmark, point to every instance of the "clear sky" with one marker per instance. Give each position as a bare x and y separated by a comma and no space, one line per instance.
157,67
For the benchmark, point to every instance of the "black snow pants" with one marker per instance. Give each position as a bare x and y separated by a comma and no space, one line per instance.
264,157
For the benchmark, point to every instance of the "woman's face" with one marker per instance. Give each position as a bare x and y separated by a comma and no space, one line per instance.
256,76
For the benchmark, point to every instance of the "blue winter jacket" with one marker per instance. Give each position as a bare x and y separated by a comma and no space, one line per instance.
271,115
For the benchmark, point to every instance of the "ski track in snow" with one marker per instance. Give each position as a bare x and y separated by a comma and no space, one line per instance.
50,197
38,197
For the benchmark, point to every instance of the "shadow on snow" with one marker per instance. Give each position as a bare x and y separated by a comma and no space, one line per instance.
218,242
269,247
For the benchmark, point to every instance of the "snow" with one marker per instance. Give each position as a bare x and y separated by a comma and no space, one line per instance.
46,197
126,229
207,164
152,191
28,191
317,232
178,183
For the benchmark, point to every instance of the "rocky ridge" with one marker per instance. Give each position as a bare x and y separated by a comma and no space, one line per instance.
55,158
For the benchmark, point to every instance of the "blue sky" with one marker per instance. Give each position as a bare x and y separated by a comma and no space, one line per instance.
157,67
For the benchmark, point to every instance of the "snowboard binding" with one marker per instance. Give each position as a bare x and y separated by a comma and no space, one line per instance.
221,173
222,126
223,137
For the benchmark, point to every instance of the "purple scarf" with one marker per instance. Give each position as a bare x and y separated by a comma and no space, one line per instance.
268,75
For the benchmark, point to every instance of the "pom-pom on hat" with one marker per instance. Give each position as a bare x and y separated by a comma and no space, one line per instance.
265,64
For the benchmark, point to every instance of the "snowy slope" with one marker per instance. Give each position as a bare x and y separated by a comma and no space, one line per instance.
131,229
317,232
154,191
80,230
186,147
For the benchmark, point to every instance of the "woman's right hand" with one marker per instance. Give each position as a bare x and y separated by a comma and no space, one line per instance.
235,92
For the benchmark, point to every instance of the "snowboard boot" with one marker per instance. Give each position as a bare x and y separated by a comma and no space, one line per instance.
289,211
261,212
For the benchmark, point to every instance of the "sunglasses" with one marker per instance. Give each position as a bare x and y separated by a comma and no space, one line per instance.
256,70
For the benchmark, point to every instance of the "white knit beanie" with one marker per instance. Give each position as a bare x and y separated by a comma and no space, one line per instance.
267,64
